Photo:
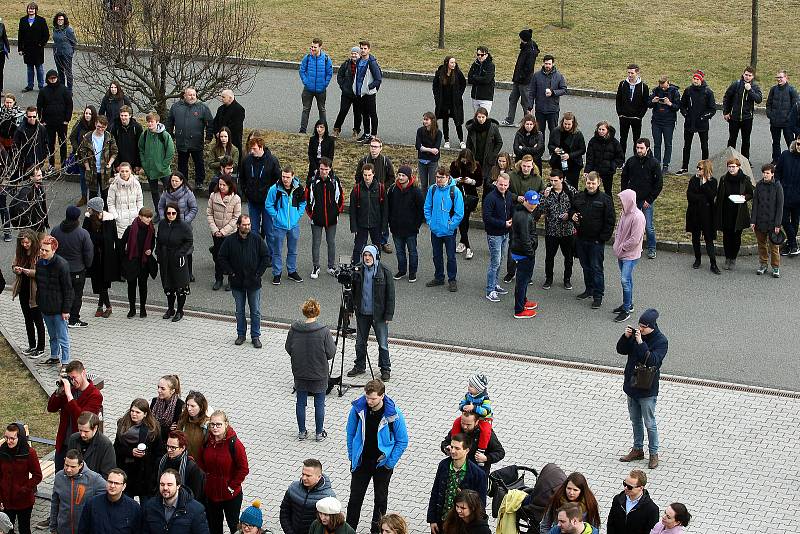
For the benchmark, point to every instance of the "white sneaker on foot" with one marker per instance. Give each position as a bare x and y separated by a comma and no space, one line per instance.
461,247
463,145
447,145
468,254
315,273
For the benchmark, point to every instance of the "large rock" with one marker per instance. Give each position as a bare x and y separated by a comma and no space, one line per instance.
720,161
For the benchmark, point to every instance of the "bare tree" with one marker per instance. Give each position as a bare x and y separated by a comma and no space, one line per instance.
157,48
754,34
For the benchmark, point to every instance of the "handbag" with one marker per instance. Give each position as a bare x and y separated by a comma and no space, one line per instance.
470,203
71,165
643,375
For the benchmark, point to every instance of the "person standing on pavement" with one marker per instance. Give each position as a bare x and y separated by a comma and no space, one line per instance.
316,71
189,122
112,103
737,108
444,210
24,267
324,203
286,202
30,142
345,77
175,510
700,196
96,448
373,301
496,211
179,192
33,35
405,202
20,473
697,107
559,230
567,147
449,85
139,447
98,151
299,505
125,198
111,513
594,218
481,78
642,173
632,510
732,217
383,170
428,144
320,145
604,155
368,211
73,487
524,177
64,44
224,461
230,114
524,242
628,249
260,170
55,111
529,140
126,131
765,219
75,246
665,101
224,209
645,346
367,82
484,143
138,262
787,172
632,99
179,459
310,346
523,71
174,246
469,176
54,297
781,100
243,257
547,87
156,150
376,440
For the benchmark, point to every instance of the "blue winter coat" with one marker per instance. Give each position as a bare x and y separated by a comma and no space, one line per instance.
64,41
101,515
286,208
662,113
392,433
316,72
474,479
189,516
438,206
787,172
184,198
368,77
653,348
540,82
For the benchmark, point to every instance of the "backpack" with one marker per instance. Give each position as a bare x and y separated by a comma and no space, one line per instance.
381,193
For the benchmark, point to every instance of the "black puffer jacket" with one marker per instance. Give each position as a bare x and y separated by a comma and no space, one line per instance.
173,246
643,175
310,346
127,138
54,102
767,213
527,143
368,206
697,107
405,207
738,102
524,239
245,259
596,216
53,286
571,143
781,100
604,154
481,77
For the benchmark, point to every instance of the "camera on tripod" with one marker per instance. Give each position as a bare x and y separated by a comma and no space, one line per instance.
345,274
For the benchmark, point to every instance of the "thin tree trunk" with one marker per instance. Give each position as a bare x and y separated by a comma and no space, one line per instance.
441,23
754,36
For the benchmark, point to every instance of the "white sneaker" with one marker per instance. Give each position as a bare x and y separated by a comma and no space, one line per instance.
468,254
461,247
463,145
447,145
492,297
315,273
331,271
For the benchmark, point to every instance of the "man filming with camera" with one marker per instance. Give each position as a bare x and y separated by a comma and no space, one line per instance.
373,303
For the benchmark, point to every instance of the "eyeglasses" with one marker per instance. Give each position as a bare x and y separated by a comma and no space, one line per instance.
628,486
216,425
172,448
30,116
375,146
112,483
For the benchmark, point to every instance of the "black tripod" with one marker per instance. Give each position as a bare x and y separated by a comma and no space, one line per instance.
343,329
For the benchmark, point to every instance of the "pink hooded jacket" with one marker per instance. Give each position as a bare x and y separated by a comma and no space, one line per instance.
630,228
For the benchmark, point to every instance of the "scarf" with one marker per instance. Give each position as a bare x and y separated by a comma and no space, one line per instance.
164,410
13,113
166,462
133,240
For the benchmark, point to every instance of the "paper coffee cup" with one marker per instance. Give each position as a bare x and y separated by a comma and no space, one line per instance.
141,447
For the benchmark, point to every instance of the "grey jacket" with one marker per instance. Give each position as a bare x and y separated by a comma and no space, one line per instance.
310,346
190,124
69,497
99,455
542,81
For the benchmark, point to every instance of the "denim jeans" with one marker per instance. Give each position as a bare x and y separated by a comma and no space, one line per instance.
524,273
626,279
381,328
261,223
426,172
253,298
449,244
39,75
199,165
291,236
64,69
666,132
400,245
643,415
319,410
59,338
498,245
591,254
649,227
777,132
84,185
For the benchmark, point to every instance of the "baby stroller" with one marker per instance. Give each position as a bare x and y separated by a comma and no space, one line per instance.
530,514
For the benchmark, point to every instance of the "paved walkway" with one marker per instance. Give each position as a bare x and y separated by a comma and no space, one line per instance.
729,456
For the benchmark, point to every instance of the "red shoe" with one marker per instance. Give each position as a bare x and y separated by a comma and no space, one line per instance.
525,314
99,312
531,305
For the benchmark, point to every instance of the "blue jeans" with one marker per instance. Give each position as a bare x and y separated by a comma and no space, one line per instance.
319,410
291,237
253,297
381,328
643,415
400,245
664,131
649,227
591,254
39,75
59,338
261,223
498,245
626,278
85,186
449,244
524,273
426,172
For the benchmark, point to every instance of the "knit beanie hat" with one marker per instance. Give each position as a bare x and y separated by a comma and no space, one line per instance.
479,382
355,49
649,318
699,74
73,213
405,169
5,523
526,35
329,506
252,515
95,204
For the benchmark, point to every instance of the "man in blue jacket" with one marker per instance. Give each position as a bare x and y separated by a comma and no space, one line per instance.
497,207
444,210
647,346
665,101
376,439
114,512
175,511
285,205
367,82
316,71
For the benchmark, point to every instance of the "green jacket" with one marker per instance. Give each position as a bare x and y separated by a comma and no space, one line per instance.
109,153
156,151
520,184
317,528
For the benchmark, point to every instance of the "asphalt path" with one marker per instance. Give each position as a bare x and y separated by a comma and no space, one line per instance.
737,327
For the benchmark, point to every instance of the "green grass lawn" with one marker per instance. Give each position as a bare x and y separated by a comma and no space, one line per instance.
602,37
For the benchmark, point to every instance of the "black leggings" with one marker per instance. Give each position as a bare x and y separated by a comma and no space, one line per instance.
102,299
608,183
23,518
687,146
463,229
141,281
446,126
731,242
709,246
369,114
230,509
34,324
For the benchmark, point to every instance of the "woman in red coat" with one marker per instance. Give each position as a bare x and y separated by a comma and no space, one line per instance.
224,461
19,475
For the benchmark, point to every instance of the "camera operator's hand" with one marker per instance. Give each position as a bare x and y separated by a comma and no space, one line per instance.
67,387
638,335
629,331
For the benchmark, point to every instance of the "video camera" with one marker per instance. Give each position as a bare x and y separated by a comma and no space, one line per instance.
346,273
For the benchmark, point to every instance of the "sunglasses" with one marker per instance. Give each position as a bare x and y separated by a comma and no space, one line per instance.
172,213
480,55
628,486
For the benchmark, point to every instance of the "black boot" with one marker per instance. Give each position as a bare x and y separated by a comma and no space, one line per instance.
696,264
170,306
179,313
